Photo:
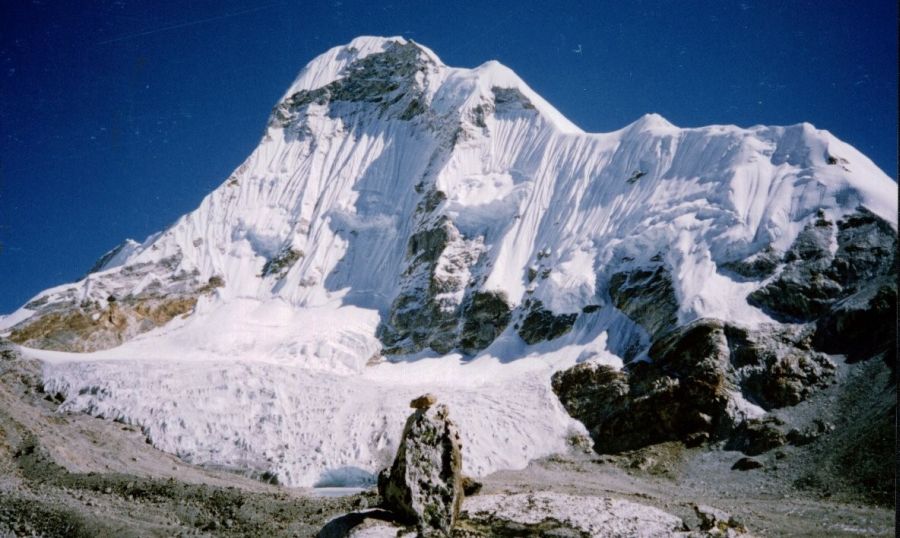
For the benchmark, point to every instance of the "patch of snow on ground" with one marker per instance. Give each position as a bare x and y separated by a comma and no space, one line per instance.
594,515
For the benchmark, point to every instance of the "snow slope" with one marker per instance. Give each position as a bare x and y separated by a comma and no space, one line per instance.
376,142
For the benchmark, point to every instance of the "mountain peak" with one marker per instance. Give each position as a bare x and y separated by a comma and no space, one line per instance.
333,64
398,207
650,122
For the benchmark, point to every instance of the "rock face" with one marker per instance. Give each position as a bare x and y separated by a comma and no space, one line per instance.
110,311
541,324
814,277
704,380
646,296
711,380
863,324
424,486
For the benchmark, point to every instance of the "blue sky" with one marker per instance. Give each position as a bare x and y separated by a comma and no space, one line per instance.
117,117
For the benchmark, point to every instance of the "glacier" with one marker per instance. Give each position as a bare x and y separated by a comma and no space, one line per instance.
388,195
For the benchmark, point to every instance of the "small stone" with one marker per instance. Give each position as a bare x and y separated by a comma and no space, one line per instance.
746,464
470,486
423,402
717,521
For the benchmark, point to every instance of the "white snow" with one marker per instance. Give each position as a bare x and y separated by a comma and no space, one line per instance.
271,371
596,516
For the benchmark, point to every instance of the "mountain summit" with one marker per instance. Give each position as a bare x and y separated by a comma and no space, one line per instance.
404,225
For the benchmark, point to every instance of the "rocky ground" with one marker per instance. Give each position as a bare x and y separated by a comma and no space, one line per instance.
73,475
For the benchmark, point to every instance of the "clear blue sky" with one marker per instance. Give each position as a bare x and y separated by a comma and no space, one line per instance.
116,117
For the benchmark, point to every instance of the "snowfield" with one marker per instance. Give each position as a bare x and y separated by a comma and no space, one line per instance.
283,372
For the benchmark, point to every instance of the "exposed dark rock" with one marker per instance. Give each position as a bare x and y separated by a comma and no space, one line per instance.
863,324
487,316
281,263
424,486
803,291
756,436
813,279
385,80
818,428
636,175
757,266
541,324
789,378
510,98
689,390
591,392
746,464
867,248
683,392
427,311
106,258
646,296
214,282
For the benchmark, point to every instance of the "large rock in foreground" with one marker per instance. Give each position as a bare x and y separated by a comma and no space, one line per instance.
424,485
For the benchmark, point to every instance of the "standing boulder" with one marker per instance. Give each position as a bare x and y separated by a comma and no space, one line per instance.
424,485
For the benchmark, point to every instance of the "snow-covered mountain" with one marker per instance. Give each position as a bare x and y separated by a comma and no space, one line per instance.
404,225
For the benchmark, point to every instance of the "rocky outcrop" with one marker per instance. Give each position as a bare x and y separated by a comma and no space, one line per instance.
424,486
90,327
103,311
863,324
486,316
804,289
758,435
814,277
387,80
541,324
439,305
281,263
428,309
697,387
757,266
646,295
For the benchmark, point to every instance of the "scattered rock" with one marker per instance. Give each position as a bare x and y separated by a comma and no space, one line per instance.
424,485
808,435
717,522
746,464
